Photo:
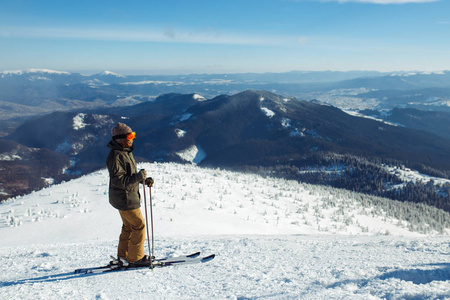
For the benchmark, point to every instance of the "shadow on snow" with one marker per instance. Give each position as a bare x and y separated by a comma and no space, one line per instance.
53,278
433,272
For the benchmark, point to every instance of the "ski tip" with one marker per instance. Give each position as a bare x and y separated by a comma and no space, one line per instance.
196,254
208,258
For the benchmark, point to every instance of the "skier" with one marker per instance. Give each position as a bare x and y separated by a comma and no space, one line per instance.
124,179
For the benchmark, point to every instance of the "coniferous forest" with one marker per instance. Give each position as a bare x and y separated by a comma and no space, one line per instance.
362,175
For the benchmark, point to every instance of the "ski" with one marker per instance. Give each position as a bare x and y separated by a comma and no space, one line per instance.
185,261
116,265
116,261
193,255
93,270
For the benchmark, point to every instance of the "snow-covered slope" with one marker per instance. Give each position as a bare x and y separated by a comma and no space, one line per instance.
191,201
273,238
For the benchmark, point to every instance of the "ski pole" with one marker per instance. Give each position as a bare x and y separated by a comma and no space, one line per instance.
146,225
151,218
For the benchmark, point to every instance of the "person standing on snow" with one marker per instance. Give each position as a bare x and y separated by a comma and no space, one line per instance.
124,179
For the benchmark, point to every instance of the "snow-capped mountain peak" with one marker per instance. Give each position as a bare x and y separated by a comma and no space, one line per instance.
198,97
109,73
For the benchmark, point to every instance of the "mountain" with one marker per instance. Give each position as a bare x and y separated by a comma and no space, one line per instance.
231,129
37,92
105,78
36,75
427,99
437,122
227,124
402,81
255,131
272,238
24,169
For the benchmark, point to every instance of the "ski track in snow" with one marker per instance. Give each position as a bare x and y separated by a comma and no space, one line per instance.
48,234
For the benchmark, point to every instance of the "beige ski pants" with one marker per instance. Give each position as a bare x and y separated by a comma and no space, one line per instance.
132,237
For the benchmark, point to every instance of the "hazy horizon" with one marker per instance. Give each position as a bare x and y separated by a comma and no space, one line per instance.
186,73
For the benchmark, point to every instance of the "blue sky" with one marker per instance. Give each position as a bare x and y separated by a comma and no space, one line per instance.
216,36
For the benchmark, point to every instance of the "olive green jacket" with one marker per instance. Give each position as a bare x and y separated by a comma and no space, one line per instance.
124,177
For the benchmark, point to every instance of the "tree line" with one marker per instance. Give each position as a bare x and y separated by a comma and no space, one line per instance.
359,174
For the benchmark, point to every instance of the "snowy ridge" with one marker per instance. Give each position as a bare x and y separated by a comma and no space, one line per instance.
357,114
274,239
155,82
21,72
109,73
407,74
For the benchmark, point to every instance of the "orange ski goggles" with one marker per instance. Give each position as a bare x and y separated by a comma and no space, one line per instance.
129,136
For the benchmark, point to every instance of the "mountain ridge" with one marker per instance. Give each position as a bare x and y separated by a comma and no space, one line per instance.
249,130
25,94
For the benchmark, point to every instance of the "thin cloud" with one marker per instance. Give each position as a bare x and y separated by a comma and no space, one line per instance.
302,40
170,33
167,35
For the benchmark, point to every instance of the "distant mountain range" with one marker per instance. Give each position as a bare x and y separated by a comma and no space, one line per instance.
256,131
31,92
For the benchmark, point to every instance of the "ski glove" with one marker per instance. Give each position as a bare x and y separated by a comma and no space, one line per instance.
149,181
142,174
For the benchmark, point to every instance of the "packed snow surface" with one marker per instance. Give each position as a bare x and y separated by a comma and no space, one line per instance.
273,239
